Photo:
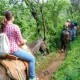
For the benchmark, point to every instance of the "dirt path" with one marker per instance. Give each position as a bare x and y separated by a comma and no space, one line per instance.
51,69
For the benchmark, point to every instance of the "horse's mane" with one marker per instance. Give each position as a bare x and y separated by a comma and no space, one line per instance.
35,42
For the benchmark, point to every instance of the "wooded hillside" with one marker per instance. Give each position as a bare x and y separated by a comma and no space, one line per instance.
45,19
35,17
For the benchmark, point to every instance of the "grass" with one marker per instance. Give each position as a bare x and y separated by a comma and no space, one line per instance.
70,69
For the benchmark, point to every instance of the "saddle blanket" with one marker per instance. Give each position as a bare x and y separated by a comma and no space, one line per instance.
16,69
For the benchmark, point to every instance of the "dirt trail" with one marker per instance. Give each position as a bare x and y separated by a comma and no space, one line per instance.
51,69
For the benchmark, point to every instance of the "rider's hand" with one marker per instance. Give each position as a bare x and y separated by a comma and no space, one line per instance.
22,42
25,41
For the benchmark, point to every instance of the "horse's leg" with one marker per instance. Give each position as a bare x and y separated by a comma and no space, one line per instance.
65,47
62,46
47,50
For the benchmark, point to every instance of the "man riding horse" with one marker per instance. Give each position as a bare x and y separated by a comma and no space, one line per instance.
65,36
68,34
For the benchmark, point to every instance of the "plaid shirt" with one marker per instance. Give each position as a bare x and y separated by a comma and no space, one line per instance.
14,35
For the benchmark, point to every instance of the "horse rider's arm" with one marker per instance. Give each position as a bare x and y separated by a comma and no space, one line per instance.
18,35
22,42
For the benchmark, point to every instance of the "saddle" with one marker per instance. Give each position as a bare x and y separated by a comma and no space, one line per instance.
16,69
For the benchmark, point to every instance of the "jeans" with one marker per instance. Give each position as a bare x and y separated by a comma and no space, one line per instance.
71,33
75,32
28,57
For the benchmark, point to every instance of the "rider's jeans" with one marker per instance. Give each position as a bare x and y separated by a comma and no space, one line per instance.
70,31
75,32
28,57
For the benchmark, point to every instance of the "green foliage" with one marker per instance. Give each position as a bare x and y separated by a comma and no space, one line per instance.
3,6
70,69
55,14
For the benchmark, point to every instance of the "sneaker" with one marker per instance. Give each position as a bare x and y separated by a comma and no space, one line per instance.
36,78
32,79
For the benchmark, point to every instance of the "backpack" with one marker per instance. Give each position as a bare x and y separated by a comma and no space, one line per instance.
4,45
71,25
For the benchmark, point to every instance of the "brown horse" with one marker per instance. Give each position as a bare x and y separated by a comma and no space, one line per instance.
65,38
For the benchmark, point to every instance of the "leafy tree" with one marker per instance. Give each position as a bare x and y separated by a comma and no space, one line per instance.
48,21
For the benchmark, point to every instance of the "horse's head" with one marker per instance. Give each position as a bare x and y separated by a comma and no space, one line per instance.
37,46
43,47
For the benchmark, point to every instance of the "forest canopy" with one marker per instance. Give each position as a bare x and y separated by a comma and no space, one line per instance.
39,19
